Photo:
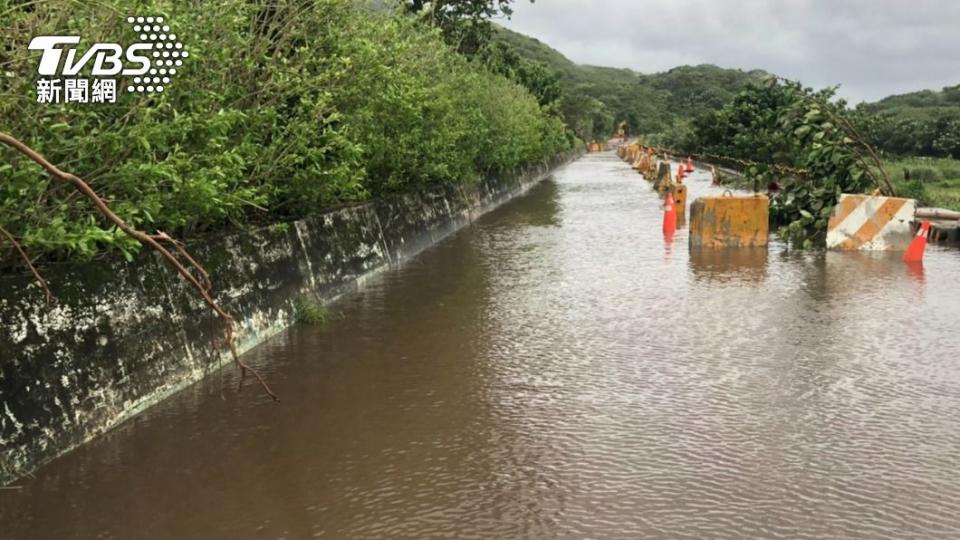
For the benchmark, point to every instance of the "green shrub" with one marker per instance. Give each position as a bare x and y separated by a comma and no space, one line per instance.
913,189
282,108
307,310
951,172
924,174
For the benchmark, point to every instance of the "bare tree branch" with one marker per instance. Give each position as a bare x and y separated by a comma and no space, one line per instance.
33,269
201,284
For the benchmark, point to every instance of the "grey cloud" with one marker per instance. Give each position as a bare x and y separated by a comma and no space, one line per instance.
871,48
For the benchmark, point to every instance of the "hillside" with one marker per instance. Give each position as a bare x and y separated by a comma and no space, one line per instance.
647,102
923,123
924,104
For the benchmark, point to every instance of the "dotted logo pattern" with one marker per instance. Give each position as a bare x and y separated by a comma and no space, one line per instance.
166,57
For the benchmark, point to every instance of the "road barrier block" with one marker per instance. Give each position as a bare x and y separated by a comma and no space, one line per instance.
680,200
719,222
871,223
663,180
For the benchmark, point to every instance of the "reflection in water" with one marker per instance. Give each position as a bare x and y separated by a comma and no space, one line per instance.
872,267
550,372
860,272
915,270
541,206
668,237
737,264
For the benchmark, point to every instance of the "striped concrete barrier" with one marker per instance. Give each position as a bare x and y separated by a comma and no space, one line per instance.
871,223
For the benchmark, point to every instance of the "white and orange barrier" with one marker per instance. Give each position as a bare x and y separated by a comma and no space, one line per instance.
871,223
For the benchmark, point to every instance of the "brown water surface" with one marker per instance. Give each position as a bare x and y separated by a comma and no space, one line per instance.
557,370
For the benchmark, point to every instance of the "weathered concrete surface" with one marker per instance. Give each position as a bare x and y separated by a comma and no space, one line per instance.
718,222
124,336
680,200
871,223
663,180
944,231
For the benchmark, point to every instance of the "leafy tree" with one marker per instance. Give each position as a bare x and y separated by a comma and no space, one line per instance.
588,117
802,139
919,123
465,23
947,142
536,77
271,117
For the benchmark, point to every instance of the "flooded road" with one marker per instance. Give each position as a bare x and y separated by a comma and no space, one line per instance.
557,370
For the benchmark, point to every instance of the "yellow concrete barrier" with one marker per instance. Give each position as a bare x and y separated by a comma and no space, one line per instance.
680,199
648,167
718,222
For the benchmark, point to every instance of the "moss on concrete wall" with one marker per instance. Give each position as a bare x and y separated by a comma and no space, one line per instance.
124,336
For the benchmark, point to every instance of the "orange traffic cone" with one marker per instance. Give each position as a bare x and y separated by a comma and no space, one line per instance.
689,165
669,215
680,173
917,246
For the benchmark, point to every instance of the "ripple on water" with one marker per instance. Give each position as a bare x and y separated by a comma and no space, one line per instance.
557,370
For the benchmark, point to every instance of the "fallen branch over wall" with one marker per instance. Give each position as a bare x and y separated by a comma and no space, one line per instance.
197,278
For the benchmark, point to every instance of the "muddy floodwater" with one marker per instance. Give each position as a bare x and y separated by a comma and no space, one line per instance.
559,370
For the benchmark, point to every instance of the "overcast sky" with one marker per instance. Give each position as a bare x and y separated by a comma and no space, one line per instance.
871,48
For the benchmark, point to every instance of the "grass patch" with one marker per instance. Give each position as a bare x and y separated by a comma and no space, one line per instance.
932,181
307,310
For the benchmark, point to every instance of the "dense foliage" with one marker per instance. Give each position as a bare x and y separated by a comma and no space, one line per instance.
282,108
924,123
465,23
802,140
536,77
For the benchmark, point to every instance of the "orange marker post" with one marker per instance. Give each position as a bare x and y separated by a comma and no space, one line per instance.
669,215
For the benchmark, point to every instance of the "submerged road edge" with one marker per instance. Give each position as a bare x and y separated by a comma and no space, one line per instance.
125,336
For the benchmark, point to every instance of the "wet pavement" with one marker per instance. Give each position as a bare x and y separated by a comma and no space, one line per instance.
559,370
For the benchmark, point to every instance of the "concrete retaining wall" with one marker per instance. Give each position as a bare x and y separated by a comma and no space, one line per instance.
124,336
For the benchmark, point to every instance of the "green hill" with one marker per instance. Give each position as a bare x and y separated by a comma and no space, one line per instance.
924,104
596,99
648,103
924,123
